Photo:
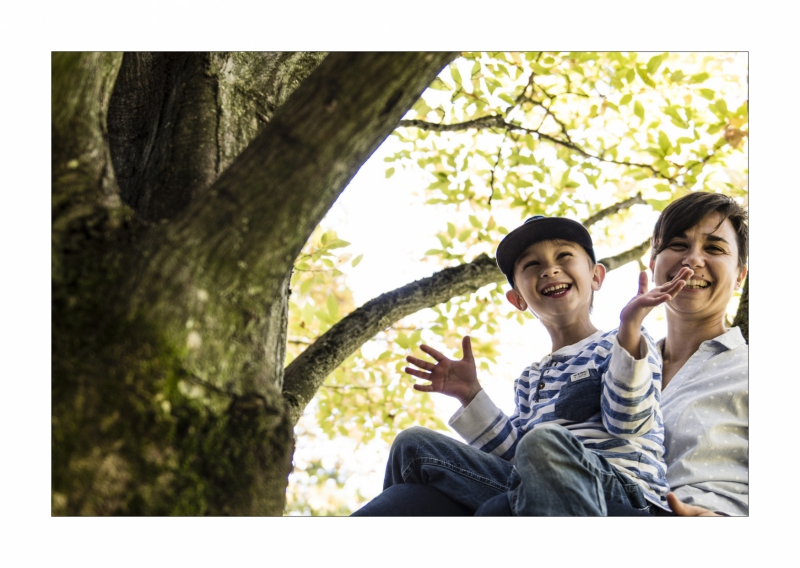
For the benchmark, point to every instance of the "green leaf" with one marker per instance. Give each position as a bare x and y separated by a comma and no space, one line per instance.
707,93
722,107
402,340
456,74
638,110
630,76
440,85
474,221
463,235
356,260
337,243
333,307
625,99
451,230
654,63
642,72
677,76
389,173
699,78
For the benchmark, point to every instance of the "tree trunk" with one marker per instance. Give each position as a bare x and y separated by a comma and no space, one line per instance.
170,286
743,311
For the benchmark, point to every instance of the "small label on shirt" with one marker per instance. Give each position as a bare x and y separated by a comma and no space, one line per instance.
579,376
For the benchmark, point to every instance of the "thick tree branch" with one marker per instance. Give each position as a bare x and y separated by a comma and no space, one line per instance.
742,312
616,208
306,373
282,184
225,260
84,193
636,253
497,121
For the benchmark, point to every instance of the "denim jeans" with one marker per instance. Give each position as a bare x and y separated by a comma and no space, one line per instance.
552,474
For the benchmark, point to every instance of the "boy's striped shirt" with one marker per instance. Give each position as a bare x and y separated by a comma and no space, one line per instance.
595,389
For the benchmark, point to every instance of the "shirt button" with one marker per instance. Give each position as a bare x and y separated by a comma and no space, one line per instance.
541,385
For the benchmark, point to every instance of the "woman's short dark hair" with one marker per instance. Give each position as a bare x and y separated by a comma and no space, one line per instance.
684,213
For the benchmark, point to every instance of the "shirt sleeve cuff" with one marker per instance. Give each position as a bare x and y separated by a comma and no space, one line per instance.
472,421
637,371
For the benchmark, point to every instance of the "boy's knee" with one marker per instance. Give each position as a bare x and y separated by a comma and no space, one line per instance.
414,439
544,441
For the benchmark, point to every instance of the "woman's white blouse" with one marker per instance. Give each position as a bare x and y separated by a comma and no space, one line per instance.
705,409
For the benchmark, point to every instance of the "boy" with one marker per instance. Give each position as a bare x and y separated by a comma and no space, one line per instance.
587,427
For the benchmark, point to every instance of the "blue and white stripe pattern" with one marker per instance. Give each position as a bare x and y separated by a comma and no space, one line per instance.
597,390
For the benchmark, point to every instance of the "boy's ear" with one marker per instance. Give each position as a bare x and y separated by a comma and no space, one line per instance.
516,300
598,275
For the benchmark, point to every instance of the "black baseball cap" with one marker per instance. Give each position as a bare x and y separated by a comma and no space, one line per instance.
536,229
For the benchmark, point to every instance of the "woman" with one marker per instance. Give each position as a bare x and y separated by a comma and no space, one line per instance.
704,398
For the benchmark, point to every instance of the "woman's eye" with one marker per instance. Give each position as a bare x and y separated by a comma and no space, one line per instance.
677,245
715,249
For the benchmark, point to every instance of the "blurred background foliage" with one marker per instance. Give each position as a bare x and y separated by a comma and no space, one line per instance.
496,138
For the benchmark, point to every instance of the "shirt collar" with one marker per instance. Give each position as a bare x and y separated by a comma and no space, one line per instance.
729,340
575,348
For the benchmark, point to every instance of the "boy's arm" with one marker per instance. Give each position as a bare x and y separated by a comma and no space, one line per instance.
629,396
630,384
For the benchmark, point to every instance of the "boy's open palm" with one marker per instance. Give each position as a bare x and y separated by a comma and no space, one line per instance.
645,301
458,379
633,314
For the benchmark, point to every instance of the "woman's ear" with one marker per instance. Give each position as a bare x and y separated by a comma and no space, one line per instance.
741,277
516,300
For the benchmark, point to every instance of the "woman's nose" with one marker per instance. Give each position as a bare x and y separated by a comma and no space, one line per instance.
693,258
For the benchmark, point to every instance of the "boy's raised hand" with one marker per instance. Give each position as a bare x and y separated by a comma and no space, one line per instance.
633,314
458,379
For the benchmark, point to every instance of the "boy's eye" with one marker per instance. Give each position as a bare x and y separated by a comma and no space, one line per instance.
564,254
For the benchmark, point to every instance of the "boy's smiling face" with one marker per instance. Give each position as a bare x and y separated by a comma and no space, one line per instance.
555,279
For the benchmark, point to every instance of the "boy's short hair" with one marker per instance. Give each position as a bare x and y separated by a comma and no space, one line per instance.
684,213
536,229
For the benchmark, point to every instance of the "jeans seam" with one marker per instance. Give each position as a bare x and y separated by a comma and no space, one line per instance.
450,466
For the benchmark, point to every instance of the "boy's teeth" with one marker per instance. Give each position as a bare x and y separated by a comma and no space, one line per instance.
555,288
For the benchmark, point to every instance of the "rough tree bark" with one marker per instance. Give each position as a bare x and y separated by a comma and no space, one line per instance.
170,287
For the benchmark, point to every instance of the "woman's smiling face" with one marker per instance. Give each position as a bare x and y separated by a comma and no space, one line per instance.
710,249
